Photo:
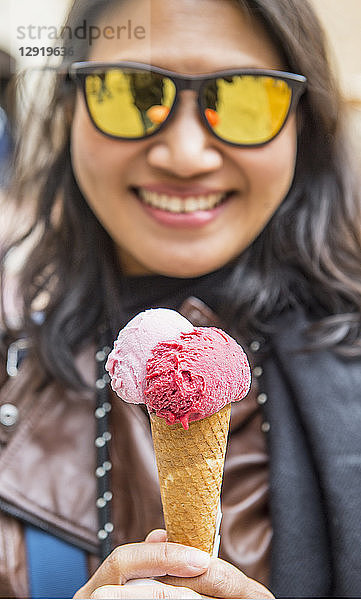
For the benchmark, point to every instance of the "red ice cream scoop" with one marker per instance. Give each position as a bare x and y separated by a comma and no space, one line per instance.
195,375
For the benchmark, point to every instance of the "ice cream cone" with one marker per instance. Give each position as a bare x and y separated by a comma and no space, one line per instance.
190,466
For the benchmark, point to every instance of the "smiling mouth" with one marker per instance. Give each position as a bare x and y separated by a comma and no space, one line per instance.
176,204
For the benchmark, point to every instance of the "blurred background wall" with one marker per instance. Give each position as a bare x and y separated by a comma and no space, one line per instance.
342,19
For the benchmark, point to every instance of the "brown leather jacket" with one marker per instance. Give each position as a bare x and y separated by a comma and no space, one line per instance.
48,479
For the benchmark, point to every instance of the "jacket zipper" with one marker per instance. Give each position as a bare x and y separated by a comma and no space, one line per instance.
26,518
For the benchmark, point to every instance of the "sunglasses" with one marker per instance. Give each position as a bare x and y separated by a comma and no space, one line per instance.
133,101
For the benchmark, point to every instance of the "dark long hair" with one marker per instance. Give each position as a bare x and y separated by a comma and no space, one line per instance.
309,253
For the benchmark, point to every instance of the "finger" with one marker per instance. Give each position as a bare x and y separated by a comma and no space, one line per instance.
154,591
222,580
133,561
157,535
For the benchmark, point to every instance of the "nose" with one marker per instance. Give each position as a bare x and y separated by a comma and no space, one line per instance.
185,147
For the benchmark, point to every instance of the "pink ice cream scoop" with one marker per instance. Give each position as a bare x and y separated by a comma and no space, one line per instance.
127,361
195,375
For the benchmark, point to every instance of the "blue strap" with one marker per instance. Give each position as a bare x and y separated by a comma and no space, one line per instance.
56,569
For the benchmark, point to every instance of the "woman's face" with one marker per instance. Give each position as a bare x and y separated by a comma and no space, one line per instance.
184,160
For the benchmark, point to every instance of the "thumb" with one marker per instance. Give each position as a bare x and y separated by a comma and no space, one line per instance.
157,535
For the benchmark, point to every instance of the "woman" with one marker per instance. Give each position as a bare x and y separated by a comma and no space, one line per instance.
232,199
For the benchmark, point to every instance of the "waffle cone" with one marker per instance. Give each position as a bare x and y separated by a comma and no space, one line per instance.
190,466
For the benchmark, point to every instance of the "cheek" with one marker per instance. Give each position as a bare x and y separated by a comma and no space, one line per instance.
270,168
89,149
100,163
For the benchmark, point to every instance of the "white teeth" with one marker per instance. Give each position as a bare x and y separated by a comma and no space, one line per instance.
163,201
191,205
176,204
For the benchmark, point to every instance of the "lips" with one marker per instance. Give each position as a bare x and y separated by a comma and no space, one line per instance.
189,209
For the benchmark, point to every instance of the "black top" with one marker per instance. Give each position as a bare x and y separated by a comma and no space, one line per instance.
158,291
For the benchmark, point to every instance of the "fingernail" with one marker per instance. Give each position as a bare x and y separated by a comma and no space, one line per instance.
198,559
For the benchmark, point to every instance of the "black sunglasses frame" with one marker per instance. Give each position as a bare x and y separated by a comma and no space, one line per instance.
78,72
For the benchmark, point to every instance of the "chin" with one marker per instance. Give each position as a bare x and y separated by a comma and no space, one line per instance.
188,269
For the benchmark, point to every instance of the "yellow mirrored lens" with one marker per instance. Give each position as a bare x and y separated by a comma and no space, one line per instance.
121,102
250,109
